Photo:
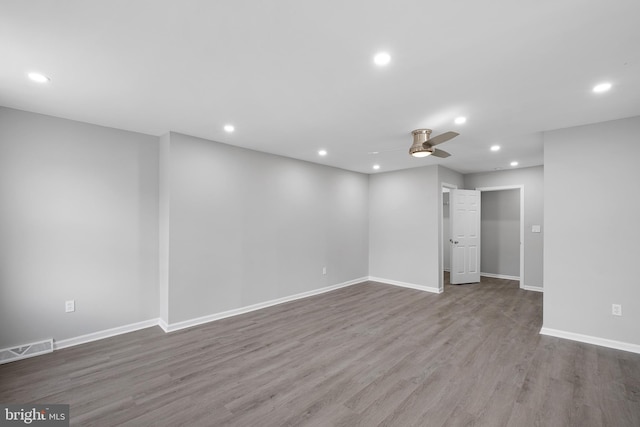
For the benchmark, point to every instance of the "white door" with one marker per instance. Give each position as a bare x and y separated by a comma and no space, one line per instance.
464,214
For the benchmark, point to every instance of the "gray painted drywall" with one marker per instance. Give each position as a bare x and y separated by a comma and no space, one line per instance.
246,227
532,179
78,220
592,229
500,231
403,226
405,223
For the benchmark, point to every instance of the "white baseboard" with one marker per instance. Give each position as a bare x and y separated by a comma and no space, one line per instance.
604,342
171,327
533,288
500,276
94,336
163,325
406,285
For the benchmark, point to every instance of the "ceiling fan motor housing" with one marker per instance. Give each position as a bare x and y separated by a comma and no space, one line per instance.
420,136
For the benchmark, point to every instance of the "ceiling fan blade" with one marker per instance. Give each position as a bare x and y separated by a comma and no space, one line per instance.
440,138
440,153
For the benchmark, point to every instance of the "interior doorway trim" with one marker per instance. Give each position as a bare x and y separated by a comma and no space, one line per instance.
521,188
443,185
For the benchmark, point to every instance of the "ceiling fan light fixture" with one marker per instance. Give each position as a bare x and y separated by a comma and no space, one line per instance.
420,151
420,136
423,145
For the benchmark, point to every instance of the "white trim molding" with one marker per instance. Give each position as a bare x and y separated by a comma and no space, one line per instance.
604,342
163,325
171,327
500,276
441,249
533,288
406,285
168,327
107,333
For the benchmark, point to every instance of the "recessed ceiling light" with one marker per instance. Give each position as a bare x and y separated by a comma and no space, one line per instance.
460,120
322,152
39,78
514,163
376,167
382,58
495,148
602,87
229,128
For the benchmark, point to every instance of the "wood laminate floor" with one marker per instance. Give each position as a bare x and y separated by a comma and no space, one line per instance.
365,355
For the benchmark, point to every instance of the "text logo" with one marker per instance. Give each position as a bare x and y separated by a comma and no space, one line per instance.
34,415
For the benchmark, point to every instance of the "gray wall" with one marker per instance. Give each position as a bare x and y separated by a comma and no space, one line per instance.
247,227
405,214
533,180
591,243
78,220
500,231
135,227
403,230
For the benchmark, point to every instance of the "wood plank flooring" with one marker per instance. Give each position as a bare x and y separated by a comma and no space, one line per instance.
366,355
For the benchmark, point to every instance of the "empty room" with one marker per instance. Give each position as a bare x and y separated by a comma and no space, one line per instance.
280,213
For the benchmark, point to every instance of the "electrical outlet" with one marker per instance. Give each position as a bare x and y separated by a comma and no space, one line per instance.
616,309
69,306
324,270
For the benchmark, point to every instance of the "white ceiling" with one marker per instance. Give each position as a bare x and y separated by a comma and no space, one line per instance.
298,76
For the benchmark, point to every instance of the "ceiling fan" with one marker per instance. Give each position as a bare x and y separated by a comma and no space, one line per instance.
423,144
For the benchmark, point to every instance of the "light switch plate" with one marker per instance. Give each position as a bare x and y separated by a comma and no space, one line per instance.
616,309
535,228
69,306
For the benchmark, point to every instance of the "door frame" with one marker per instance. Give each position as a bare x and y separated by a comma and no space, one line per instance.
521,188
442,249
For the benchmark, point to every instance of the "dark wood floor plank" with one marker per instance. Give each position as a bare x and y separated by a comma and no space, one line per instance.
366,355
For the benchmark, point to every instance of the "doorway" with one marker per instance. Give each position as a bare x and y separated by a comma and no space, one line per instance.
445,233
445,229
503,237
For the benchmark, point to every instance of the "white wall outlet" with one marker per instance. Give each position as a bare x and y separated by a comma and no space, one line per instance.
69,306
535,229
324,270
616,309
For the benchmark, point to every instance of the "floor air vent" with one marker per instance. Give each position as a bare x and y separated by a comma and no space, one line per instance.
28,350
